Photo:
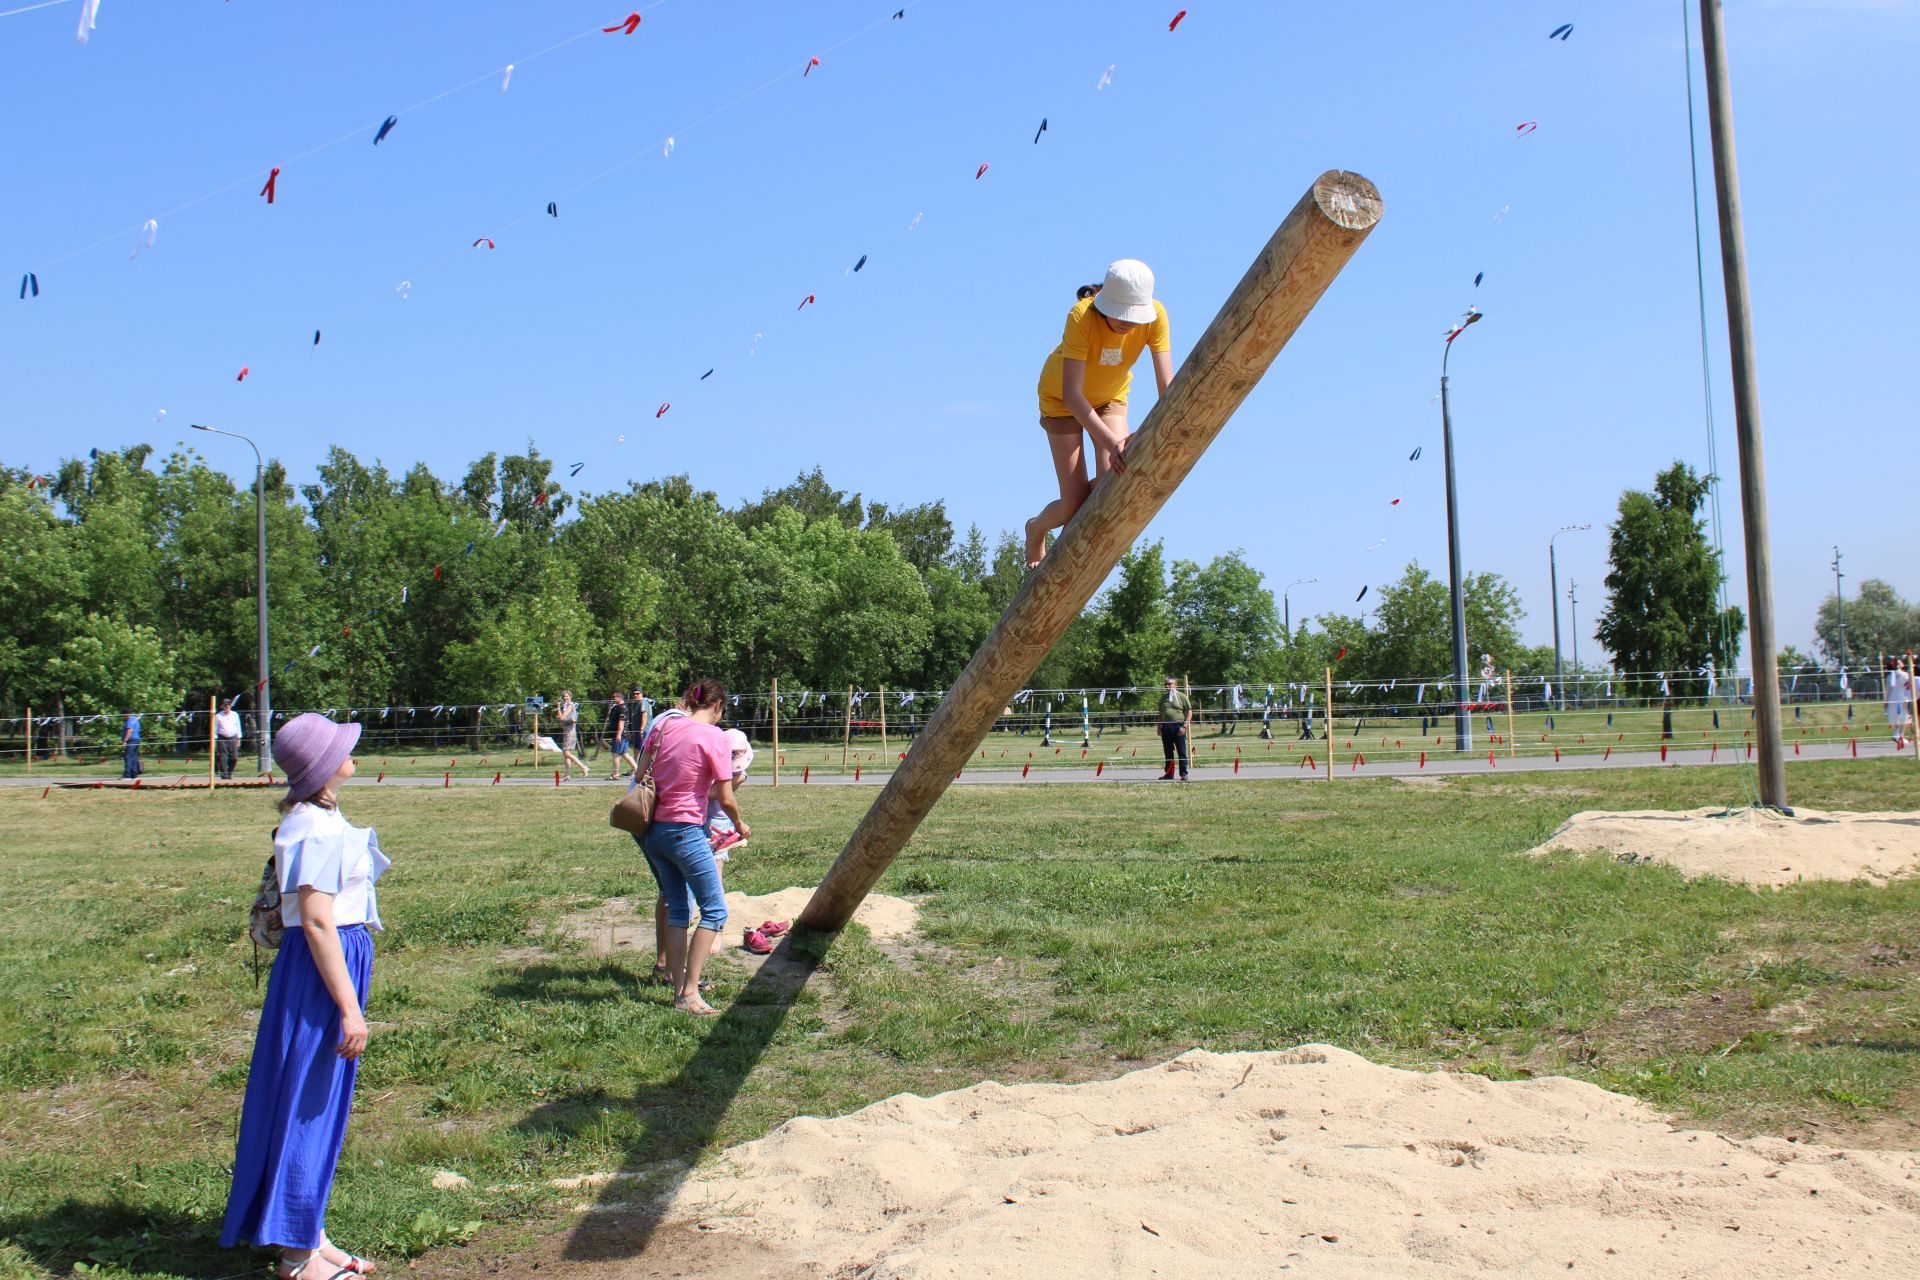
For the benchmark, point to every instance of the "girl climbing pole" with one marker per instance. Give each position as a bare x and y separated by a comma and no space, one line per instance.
1084,385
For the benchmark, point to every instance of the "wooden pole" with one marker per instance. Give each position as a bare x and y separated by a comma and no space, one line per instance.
1288,276
1509,715
1329,724
213,741
886,752
29,737
1762,642
846,734
776,731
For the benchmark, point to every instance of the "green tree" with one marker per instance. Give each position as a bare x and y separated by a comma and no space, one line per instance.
1878,622
811,496
1132,642
1224,621
541,643
924,533
107,666
961,616
1413,626
1662,609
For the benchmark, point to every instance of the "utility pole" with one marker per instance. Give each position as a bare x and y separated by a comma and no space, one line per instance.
1573,604
1462,718
1840,608
1746,409
1553,598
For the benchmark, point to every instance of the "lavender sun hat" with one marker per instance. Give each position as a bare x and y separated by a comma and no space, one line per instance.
310,749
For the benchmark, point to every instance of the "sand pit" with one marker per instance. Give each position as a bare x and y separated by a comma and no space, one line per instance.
623,924
1753,846
1311,1160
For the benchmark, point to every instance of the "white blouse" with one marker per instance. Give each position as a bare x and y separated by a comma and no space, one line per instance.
318,848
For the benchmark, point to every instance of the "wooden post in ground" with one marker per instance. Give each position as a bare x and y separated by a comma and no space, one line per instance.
1287,277
1770,764
1509,715
536,740
775,695
213,741
886,752
29,737
846,734
1330,724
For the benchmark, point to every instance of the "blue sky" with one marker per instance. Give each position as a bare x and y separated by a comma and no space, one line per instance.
914,379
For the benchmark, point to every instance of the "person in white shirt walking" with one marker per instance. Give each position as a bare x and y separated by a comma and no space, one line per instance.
1899,694
226,738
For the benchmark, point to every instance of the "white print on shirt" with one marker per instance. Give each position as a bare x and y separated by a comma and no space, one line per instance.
1110,355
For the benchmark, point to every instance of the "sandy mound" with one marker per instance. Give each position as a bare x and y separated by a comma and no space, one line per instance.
1754,846
626,924
887,919
1314,1160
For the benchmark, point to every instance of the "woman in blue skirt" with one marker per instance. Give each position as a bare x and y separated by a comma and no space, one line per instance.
313,1026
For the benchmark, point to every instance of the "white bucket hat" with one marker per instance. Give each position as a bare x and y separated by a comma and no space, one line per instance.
1127,293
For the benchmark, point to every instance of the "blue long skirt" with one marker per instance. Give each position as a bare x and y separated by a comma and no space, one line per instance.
299,1090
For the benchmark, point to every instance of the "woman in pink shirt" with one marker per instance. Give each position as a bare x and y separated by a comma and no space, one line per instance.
690,759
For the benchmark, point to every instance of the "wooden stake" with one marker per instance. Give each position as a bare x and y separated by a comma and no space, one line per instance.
1509,715
886,752
846,735
1329,724
536,741
776,732
29,737
1287,277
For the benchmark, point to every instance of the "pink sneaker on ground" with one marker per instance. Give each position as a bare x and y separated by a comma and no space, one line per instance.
757,943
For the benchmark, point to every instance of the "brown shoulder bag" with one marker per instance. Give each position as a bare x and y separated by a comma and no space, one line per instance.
633,812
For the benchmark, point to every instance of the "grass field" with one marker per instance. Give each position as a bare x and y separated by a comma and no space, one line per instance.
1060,943
814,747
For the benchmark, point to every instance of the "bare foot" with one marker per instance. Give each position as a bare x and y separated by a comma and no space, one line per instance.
1036,545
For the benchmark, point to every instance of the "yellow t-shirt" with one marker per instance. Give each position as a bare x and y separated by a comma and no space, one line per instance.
1109,356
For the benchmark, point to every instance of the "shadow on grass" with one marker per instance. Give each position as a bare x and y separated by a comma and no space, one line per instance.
681,1116
120,1238
593,984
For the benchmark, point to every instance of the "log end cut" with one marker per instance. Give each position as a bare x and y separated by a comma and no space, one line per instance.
1347,200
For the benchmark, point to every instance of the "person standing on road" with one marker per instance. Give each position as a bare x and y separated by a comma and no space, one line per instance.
616,730
1176,719
130,746
570,733
1899,685
226,739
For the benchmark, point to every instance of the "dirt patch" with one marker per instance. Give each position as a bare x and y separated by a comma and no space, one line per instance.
1752,846
1213,1163
619,926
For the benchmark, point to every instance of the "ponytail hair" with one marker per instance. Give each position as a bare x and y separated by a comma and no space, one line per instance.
1086,291
704,693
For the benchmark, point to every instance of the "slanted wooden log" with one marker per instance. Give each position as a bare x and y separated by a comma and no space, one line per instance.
1279,289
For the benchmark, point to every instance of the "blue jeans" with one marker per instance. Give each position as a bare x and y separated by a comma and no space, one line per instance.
683,867
130,760
1174,737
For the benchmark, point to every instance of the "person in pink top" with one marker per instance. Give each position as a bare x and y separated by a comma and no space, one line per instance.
691,760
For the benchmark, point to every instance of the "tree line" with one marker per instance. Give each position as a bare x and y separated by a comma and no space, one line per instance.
130,582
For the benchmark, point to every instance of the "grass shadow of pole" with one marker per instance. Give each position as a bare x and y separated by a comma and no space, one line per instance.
682,1116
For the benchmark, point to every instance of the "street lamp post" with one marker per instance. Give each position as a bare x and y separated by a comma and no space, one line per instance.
1553,594
1573,604
1286,609
1462,719
262,692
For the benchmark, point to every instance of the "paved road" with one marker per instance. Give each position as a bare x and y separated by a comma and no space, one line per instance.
1204,771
